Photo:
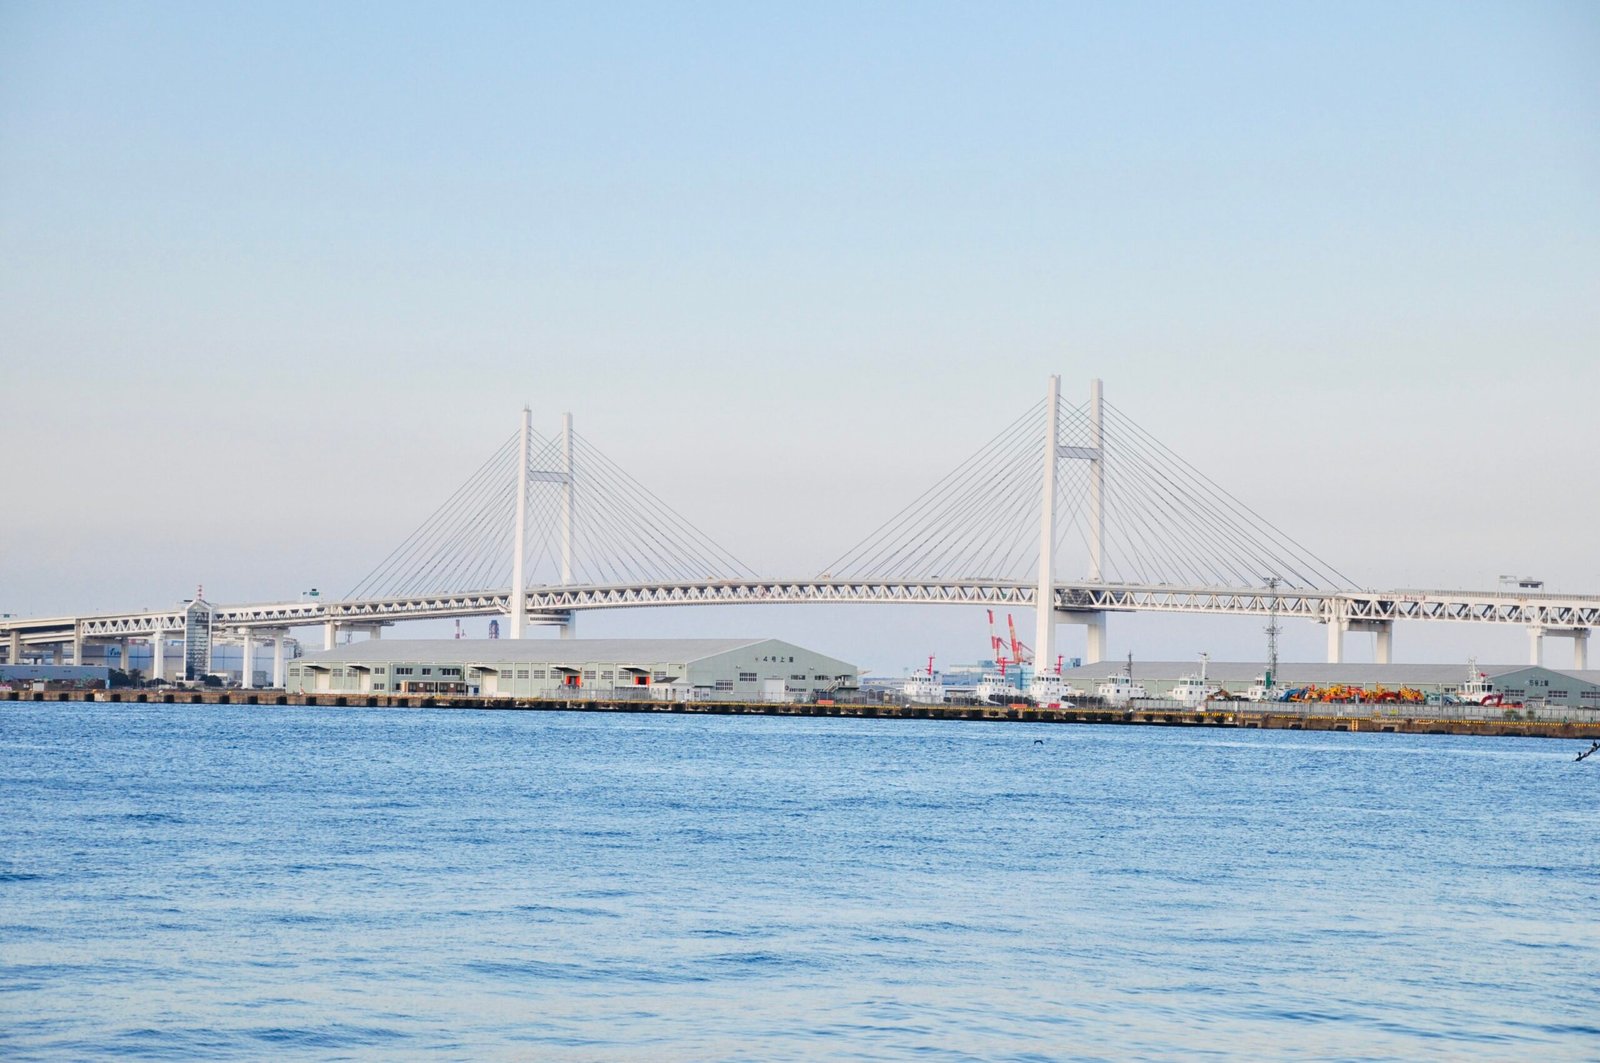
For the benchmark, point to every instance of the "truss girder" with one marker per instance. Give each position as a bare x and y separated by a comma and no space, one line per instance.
552,603
64,629
736,592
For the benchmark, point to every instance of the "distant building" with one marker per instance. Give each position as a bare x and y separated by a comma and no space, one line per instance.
1517,682
227,658
705,669
53,677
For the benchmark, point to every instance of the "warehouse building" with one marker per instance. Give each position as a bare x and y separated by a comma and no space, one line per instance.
53,677
679,669
1518,682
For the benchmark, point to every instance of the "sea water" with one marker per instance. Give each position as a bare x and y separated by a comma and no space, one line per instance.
243,882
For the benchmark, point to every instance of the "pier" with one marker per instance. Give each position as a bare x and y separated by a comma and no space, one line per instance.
1249,715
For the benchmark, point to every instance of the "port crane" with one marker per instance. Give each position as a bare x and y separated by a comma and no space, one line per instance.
1021,653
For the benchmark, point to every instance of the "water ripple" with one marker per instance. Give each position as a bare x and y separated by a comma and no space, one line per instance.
333,884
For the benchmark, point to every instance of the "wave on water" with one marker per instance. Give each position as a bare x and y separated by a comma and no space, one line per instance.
353,883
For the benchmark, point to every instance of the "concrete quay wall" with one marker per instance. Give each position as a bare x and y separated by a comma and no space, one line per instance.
1234,714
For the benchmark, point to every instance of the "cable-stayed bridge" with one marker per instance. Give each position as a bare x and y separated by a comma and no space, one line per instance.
548,527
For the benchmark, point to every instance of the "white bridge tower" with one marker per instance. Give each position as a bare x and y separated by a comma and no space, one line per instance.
1094,453
526,475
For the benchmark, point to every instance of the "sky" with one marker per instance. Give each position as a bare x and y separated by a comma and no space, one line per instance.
275,278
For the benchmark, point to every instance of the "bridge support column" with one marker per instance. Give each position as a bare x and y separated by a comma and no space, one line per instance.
1336,628
1580,644
330,634
77,645
277,659
569,626
1094,649
15,652
1094,623
1383,650
158,655
1535,645
126,647
247,671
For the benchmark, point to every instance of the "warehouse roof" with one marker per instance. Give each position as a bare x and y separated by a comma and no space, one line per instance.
533,651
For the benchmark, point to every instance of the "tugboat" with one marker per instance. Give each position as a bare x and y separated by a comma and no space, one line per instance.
1191,690
924,687
1119,689
995,689
1477,690
1049,691
1261,690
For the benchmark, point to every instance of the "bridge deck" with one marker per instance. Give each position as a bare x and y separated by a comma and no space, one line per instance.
548,604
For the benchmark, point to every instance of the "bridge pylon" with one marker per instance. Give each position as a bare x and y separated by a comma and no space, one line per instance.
500,538
517,605
1047,616
519,537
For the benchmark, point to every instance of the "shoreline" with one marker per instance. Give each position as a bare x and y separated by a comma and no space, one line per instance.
1244,715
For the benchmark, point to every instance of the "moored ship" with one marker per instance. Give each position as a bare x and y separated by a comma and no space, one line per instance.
1119,689
1049,690
1478,690
924,687
996,689
1192,690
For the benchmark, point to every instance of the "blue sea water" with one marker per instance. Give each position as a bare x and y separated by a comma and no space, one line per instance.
213,882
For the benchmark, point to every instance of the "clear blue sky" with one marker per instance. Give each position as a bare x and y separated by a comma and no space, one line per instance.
276,277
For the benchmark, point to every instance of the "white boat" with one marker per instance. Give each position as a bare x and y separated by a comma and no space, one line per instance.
995,689
1119,689
1477,690
1049,691
924,687
1191,690
1261,690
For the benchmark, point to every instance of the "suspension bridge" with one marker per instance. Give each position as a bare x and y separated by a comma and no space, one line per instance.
548,527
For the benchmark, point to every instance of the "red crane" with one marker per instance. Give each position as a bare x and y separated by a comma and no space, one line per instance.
994,643
1020,653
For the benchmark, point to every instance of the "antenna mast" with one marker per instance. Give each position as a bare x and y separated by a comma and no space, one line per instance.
1272,630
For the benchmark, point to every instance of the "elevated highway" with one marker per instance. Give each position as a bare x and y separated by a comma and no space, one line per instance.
1570,616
